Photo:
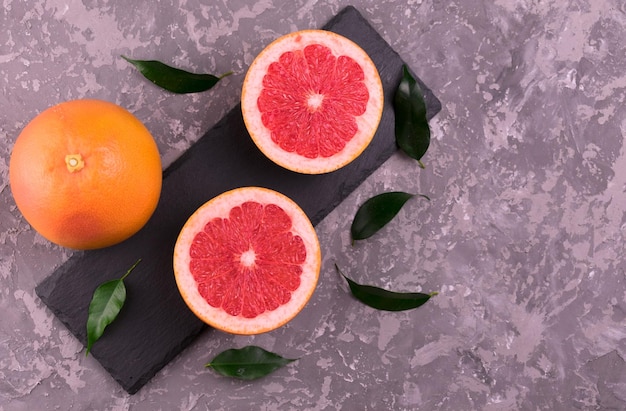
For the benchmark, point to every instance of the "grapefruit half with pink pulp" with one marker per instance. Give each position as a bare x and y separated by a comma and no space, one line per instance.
312,101
247,261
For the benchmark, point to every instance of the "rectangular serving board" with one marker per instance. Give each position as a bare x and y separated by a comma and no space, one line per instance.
155,325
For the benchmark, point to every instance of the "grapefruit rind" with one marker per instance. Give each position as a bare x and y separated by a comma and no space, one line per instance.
107,196
367,123
219,207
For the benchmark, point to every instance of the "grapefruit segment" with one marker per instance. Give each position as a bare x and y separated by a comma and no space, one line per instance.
312,101
247,261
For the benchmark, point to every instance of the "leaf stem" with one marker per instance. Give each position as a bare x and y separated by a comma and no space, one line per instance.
130,269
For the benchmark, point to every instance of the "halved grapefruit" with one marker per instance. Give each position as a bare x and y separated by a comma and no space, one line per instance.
247,261
312,101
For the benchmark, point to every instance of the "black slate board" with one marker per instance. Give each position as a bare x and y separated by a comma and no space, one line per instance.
155,324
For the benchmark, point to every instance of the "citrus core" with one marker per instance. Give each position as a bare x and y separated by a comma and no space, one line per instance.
312,101
247,261
85,174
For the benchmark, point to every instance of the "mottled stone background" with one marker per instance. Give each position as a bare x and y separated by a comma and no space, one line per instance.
523,237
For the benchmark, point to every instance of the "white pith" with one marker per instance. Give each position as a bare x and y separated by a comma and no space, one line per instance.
248,258
315,101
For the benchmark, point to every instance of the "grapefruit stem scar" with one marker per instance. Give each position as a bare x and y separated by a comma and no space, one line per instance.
74,162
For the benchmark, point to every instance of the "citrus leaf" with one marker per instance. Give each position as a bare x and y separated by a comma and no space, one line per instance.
376,212
382,299
248,363
411,123
105,305
174,79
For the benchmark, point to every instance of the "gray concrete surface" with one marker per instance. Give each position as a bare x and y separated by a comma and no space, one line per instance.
523,236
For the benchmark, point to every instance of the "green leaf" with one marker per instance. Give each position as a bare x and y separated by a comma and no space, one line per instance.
376,212
381,299
174,79
248,363
411,123
106,303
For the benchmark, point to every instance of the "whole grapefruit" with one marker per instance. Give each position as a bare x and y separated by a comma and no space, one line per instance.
85,174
